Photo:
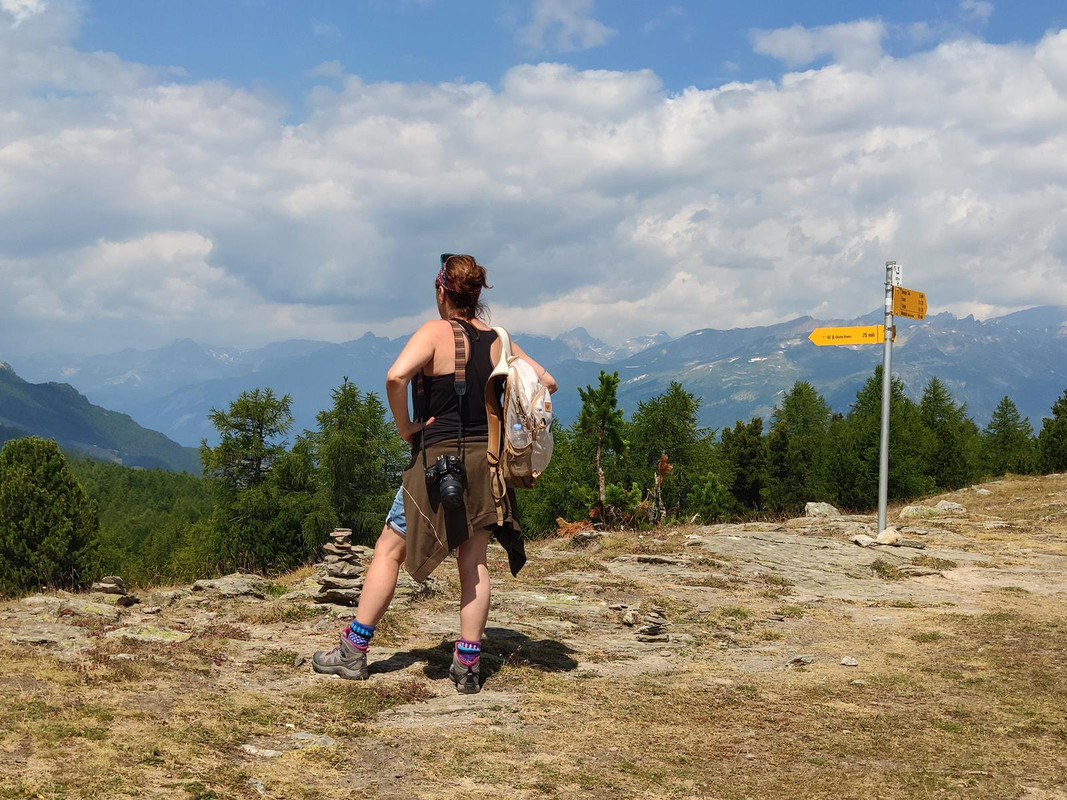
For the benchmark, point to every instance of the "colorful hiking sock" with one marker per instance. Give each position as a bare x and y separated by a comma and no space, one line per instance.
468,652
359,635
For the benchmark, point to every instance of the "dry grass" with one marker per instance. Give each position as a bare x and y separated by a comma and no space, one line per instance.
947,702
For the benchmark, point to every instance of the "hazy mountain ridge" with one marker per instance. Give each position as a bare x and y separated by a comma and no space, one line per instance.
738,373
58,411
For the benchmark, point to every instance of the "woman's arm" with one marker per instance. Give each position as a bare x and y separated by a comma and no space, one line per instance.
416,354
543,374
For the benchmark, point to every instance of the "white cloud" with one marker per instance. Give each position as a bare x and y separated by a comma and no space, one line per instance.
329,69
853,44
563,26
137,210
22,10
976,10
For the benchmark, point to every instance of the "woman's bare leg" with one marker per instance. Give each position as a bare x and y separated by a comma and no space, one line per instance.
474,586
380,580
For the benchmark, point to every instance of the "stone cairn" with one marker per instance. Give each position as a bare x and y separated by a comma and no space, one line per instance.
341,573
114,585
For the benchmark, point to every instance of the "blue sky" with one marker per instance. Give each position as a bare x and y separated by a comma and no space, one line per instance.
244,172
275,45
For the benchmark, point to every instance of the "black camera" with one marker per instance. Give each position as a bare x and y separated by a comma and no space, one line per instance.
447,473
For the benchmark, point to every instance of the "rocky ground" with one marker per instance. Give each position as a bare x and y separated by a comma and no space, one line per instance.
797,658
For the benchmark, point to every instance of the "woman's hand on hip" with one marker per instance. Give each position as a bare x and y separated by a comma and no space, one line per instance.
408,430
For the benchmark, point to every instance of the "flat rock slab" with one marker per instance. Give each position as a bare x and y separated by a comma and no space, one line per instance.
88,609
46,633
449,710
149,633
235,585
831,568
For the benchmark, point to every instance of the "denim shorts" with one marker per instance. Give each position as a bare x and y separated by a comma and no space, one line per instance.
395,518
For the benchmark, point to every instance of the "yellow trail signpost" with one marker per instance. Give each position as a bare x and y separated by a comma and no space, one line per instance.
856,334
898,300
909,303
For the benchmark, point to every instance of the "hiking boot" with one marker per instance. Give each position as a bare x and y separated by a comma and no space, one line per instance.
465,678
344,660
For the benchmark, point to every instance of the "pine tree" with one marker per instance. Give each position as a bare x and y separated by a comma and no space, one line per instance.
796,434
48,524
360,457
1052,441
745,456
257,523
601,421
251,434
1008,441
857,444
954,455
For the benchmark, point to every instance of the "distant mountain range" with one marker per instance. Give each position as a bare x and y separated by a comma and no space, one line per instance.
737,373
57,411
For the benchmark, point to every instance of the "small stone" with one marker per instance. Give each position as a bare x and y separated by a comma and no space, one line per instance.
820,510
300,660
630,617
258,785
151,610
127,600
863,540
653,637
802,660
858,682
329,582
112,584
583,538
342,569
978,490
261,752
890,536
849,661
617,607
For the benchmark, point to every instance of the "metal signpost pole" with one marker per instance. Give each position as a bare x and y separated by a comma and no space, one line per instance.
892,276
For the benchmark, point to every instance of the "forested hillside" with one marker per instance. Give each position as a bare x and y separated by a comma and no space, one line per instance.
57,411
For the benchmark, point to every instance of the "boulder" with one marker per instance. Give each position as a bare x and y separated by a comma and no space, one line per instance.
89,610
820,510
921,512
948,507
235,585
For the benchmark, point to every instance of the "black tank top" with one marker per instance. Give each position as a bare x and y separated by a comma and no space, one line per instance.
439,399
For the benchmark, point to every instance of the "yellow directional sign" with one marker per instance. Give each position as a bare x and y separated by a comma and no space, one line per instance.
909,303
858,334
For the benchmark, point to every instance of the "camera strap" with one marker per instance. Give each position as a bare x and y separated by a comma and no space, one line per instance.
422,388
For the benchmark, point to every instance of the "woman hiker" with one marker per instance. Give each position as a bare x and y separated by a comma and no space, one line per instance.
449,467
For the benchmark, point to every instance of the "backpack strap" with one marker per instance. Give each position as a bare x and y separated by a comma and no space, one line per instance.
495,415
460,381
422,383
